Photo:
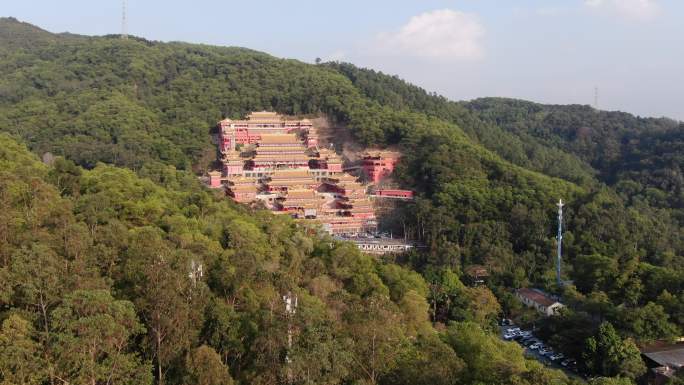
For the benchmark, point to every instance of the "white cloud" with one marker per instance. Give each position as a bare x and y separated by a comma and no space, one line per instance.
640,10
440,34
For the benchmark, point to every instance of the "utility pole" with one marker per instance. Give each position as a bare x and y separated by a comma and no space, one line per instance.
124,26
559,239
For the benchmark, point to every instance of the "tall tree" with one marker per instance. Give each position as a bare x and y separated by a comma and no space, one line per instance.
608,354
93,333
204,367
21,361
170,303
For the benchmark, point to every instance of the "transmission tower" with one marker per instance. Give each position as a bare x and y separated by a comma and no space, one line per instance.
596,97
124,26
559,239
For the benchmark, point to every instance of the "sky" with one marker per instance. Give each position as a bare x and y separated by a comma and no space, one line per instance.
548,51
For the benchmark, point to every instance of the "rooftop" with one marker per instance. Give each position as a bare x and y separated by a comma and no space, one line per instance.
477,270
300,194
242,180
279,139
665,354
291,173
536,296
290,182
384,154
266,147
280,158
243,188
268,117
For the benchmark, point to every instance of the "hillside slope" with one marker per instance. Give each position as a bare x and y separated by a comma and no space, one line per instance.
105,276
146,104
619,146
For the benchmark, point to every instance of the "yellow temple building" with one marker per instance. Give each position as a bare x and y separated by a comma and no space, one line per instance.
276,160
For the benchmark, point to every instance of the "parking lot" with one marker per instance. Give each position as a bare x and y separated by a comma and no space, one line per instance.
538,349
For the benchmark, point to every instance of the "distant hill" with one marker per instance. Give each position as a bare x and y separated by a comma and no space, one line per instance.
18,34
573,142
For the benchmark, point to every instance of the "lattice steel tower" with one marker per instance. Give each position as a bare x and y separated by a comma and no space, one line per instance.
596,97
559,239
124,26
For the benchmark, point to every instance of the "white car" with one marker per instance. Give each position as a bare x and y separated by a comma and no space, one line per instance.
569,362
545,351
508,336
538,345
511,330
557,356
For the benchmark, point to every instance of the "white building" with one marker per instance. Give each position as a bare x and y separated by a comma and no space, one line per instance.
539,300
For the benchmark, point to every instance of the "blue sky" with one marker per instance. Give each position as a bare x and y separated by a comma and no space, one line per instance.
553,51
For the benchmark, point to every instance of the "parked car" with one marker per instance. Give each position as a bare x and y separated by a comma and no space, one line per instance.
557,356
530,341
525,333
536,345
545,351
508,336
511,330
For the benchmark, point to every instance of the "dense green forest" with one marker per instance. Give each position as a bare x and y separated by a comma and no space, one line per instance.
102,240
623,238
99,286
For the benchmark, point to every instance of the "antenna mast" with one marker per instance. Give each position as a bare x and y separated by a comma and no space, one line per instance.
596,97
124,26
559,239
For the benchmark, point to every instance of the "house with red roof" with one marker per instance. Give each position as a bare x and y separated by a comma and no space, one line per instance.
539,300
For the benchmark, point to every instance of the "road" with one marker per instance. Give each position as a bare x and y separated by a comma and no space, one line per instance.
534,353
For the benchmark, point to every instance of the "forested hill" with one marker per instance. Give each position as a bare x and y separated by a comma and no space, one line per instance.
573,142
99,284
120,218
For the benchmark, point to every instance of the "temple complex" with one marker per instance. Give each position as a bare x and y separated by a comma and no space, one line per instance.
277,161
249,131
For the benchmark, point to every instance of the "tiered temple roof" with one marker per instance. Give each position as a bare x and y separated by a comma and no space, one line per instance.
273,150
279,140
288,179
243,193
291,175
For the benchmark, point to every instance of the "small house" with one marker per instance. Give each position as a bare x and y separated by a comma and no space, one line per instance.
664,361
539,300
